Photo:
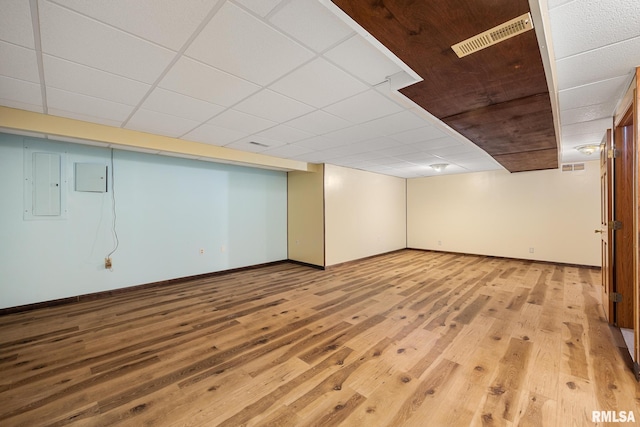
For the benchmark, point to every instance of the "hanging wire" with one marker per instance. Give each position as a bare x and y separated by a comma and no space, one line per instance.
113,208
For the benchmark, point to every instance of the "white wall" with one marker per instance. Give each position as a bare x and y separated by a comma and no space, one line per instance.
365,214
502,214
167,210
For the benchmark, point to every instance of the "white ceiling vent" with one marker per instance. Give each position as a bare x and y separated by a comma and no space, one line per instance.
572,167
495,35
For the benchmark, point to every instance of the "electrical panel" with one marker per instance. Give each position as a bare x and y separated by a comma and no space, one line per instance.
91,177
46,184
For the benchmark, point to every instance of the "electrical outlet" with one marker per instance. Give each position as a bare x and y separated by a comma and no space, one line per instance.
531,250
439,242
107,263
201,251
223,249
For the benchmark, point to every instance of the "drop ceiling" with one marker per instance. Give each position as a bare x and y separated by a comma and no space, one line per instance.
297,77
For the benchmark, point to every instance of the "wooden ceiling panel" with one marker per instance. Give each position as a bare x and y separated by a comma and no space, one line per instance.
520,125
456,85
529,161
467,93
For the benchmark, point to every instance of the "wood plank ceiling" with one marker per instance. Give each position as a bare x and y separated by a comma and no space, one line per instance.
498,97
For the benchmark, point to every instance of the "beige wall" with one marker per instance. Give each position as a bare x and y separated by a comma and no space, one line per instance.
502,214
305,195
365,214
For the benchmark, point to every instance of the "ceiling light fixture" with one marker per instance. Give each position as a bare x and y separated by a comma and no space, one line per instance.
588,149
439,167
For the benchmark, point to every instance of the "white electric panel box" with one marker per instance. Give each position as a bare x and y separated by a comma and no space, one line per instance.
46,184
91,177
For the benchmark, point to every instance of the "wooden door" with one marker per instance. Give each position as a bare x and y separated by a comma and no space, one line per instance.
623,215
605,217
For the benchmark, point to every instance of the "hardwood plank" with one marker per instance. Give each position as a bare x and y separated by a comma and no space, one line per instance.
459,338
503,397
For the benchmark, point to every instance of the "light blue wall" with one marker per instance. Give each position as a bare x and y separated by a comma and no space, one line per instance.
167,209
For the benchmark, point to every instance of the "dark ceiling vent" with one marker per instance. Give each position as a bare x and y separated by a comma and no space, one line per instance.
258,143
495,35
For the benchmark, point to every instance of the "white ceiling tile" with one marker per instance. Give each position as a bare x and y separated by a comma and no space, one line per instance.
84,117
18,62
175,104
588,113
387,161
380,143
318,122
162,124
239,43
319,143
213,135
601,64
372,156
582,139
596,93
363,107
246,144
362,147
313,157
433,144
590,24
288,151
380,169
398,149
338,152
241,122
20,93
200,81
557,3
361,59
87,106
354,134
15,23
72,77
395,123
570,155
259,7
418,158
285,134
273,106
167,22
594,126
319,83
425,133
71,36
451,150
311,23
264,143
464,156
487,164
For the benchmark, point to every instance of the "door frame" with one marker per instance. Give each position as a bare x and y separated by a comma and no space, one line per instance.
606,215
631,101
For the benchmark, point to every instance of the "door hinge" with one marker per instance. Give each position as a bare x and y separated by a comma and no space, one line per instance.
615,297
615,225
613,153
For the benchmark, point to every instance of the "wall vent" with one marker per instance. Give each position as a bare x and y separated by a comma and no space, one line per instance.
495,35
572,167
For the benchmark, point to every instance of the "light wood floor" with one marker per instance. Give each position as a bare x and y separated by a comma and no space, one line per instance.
411,338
